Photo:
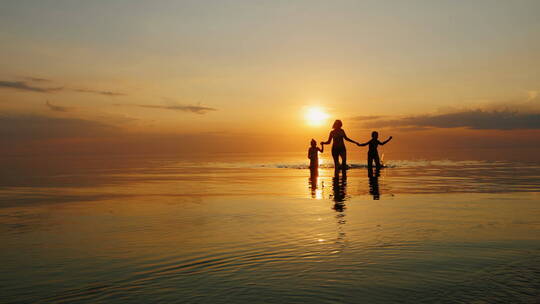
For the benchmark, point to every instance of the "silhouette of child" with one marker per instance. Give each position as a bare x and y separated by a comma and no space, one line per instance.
313,155
373,154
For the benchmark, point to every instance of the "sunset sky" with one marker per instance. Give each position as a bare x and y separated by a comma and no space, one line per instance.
128,76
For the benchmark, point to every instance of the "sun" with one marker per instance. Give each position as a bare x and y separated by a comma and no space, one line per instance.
316,116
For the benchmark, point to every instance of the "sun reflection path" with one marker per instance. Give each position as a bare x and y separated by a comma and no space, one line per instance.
316,186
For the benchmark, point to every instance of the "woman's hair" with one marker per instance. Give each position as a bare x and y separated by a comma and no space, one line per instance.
374,133
337,124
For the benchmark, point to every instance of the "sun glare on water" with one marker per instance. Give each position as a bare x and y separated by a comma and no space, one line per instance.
316,116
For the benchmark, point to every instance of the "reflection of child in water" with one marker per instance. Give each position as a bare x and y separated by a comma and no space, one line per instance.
373,154
313,155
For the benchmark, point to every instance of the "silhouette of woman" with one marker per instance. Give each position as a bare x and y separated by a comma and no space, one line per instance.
338,147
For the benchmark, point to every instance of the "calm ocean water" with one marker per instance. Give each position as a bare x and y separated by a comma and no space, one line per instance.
259,229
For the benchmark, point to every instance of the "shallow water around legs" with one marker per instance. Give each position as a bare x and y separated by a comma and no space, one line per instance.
255,231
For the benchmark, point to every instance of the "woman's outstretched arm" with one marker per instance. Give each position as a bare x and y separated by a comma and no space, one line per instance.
348,139
329,139
362,145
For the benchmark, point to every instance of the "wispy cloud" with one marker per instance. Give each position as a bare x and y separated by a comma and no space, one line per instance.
472,119
36,79
106,93
197,109
187,108
28,87
56,108
23,86
367,117
517,113
34,127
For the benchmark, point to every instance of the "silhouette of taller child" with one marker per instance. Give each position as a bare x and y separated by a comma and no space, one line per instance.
373,153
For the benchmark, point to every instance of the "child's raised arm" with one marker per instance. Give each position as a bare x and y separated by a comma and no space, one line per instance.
384,142
321,149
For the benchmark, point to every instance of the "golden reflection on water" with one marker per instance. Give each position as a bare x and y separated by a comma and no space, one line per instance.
316,184
339,184
148,242
205,231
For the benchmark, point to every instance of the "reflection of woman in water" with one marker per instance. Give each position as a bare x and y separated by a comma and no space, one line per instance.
339,189
338,147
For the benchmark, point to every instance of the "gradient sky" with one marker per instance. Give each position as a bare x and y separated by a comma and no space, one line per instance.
208,71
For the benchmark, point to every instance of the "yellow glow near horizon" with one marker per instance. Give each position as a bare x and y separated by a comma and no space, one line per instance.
316,116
